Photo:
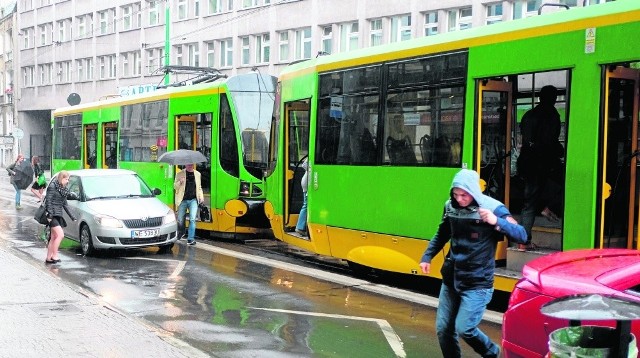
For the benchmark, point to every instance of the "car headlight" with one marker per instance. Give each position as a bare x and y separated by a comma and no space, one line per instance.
108,221
169,218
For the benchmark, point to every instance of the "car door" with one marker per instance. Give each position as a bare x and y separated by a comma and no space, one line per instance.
73,230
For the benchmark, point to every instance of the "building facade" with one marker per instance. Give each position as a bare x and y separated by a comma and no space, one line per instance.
92,49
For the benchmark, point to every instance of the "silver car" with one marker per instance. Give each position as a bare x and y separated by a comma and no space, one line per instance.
115,210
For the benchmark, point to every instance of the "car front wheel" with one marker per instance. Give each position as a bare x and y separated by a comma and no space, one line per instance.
86,242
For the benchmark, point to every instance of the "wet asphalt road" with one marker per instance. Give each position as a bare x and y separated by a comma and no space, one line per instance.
237,306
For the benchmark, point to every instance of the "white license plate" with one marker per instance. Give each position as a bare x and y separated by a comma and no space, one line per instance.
141,234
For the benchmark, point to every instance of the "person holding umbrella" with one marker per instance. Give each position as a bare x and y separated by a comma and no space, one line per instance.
188,195
16,178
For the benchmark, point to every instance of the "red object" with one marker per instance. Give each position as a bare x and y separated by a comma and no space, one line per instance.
525,330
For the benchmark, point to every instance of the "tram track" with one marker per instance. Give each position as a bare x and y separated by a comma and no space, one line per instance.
283,252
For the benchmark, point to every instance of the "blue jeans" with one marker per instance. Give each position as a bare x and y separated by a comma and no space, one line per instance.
302,217
192,205
459,314
18,194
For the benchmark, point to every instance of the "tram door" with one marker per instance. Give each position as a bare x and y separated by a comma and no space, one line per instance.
89,156
110,145
185,132
620,185
297,149
494,128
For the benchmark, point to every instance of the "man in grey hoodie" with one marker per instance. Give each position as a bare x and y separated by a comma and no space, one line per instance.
473,223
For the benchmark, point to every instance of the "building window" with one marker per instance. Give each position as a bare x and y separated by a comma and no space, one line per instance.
226,53
63,30
494,13
303,43
125,64
126,18
400,28
431,23
376,32
211,54
215,6
154,13
182,9
349,36
105,19
249,3
80,70
262,48
42,29
284,46
327,39
460,19
246,51
194,54
196,8
82,26
154,59
89,68
178,55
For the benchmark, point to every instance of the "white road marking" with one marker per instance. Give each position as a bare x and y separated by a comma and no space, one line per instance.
394,340
176,272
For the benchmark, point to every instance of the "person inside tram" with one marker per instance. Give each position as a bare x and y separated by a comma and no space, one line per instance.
540,160
399,145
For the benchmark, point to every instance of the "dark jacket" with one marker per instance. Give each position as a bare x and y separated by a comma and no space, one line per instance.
56,202
471,257
11,170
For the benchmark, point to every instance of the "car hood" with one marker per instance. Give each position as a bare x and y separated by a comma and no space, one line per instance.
130,208
589,270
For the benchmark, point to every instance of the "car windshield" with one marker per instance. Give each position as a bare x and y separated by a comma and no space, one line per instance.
114,186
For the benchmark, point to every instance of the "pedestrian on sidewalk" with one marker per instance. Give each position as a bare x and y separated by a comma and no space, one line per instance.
473,224
55,203
188,195
12,173
36,188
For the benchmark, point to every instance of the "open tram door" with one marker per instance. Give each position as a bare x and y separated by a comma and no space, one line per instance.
90,150
619,182
110,145
297,149
493,143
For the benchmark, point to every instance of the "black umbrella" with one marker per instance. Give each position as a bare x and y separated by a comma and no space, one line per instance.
182,157
23,176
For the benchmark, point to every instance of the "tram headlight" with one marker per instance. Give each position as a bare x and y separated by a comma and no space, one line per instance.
249,190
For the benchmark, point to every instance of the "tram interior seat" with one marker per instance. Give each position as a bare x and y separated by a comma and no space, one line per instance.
401,151
436,152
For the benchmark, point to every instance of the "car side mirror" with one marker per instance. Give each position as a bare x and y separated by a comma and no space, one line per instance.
156,191
73,196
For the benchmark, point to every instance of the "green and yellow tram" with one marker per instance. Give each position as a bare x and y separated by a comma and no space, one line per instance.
226,119
386,128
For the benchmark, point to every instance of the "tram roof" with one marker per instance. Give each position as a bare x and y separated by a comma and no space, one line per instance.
160,94
617,12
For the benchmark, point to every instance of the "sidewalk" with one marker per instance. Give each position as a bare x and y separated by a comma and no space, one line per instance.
42,316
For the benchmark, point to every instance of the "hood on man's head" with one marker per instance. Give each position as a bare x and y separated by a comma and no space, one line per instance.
469,181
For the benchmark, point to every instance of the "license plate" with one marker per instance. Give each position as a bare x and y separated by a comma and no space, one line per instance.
141,234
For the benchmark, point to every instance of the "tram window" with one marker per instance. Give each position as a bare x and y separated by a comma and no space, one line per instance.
347,136
67,136
228,142
424,126
142,126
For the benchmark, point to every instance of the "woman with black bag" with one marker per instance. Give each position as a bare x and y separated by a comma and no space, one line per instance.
55,202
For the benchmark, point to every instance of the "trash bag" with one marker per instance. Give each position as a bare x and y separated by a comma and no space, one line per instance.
585,341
